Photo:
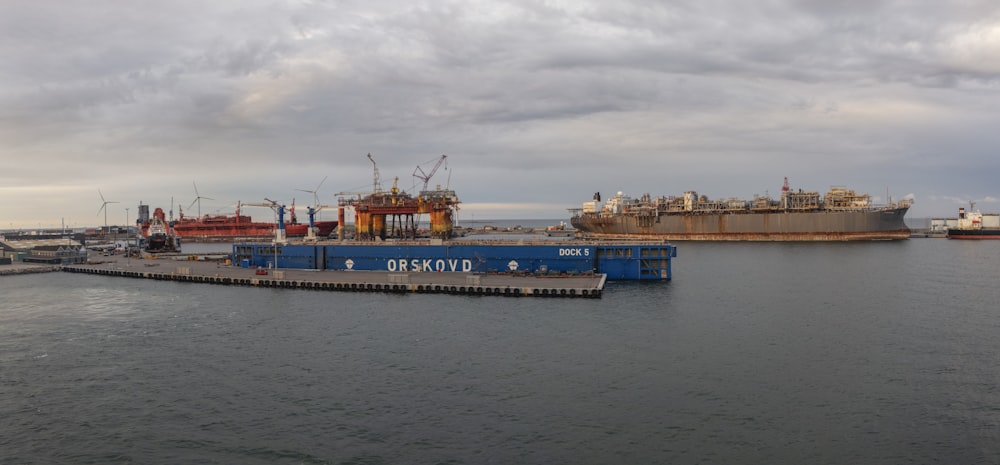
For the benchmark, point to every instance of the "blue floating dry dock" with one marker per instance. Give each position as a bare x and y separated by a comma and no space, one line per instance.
570,269
616,260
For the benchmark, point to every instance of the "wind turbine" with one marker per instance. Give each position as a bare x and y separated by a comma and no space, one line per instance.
314,191
198,198
104,206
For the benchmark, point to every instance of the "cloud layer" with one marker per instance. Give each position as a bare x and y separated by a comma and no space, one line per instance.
536,104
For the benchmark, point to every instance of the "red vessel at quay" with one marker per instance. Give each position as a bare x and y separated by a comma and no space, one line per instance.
238,225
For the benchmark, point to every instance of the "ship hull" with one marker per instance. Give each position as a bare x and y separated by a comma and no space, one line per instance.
325,228
881,224
196,230
974,234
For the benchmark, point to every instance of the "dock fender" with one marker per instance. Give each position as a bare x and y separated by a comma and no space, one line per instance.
506,291
545,291
562,291
437,288
586,292
572,292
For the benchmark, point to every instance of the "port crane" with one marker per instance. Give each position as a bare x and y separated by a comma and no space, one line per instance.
279,210
426,177
377,183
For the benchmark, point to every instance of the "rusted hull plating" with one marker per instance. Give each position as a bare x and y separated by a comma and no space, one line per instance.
885,224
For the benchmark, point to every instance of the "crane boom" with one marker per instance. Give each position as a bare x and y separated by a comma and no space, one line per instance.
376,183
426,177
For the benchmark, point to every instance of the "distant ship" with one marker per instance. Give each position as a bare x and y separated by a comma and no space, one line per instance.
975,225
840,215
224,227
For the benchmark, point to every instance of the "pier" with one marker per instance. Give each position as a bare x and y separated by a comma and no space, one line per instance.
26,268
456,283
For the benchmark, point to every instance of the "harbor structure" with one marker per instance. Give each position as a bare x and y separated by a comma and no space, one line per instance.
386,240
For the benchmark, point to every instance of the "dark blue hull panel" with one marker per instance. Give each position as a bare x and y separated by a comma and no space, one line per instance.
618,261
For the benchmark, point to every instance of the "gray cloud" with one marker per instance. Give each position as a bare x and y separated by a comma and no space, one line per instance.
538,104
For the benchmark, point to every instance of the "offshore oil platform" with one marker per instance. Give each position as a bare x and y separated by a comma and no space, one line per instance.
388,214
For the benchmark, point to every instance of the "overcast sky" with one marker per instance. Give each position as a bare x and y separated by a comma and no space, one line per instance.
537,104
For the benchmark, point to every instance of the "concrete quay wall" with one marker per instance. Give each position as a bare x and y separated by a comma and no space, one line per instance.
349,281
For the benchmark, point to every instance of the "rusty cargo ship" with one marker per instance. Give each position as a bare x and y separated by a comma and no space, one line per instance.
840,215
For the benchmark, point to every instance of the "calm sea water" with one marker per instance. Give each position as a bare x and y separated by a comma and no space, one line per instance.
755,353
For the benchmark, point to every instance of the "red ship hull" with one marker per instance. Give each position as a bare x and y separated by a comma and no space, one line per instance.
224,227
325,228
